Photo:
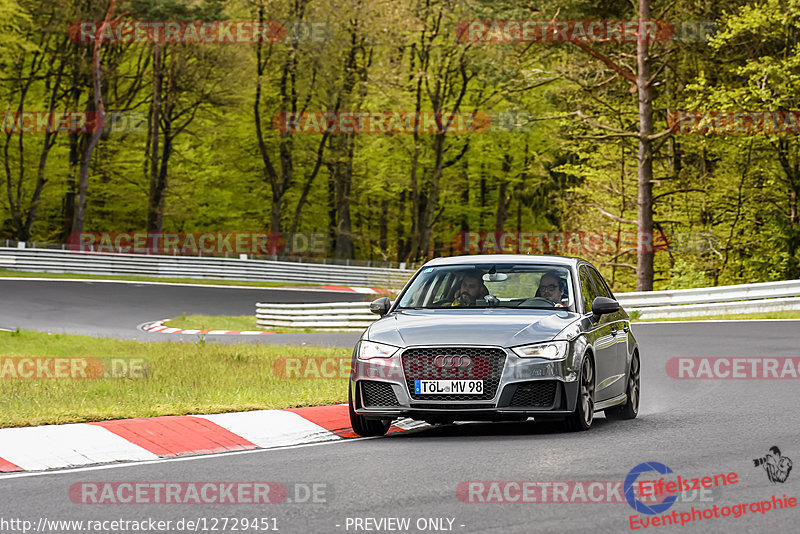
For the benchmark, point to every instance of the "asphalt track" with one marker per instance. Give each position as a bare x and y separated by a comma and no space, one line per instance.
696,427
114,309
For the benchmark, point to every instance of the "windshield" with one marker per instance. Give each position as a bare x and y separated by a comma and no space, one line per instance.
537,286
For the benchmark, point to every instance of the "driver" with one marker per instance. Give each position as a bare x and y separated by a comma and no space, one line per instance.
472,288
551,287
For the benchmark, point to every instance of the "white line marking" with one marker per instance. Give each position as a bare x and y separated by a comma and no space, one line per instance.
184,459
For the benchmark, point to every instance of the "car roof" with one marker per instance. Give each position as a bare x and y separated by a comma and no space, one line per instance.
504,258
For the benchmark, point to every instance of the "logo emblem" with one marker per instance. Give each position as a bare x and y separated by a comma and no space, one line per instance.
453,362
630,482
777,467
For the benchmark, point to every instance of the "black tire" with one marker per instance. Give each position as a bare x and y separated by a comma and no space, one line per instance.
581,419
367,427
630,409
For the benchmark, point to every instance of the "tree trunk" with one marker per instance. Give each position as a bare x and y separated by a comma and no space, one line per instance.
502,201
83,177
383,241
155,200
341,171
644,261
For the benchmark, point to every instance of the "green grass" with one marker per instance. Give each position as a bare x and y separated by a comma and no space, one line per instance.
184,379
763,315
215,322
6,273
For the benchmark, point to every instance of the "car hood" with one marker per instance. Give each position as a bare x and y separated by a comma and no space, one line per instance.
485,326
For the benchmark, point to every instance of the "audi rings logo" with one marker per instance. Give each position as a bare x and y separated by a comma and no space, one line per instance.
446,367
453,362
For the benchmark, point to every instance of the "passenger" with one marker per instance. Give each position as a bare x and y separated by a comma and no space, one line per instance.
472,288
553,288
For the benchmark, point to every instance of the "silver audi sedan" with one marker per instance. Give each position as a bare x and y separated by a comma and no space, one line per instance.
496,337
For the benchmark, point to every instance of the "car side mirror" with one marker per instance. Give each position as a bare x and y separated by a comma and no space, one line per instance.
380,306
602,306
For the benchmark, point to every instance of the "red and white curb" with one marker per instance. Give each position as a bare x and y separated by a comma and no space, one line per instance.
159,328
130,440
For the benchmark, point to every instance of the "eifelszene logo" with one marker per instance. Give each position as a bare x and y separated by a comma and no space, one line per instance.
668,490
630,482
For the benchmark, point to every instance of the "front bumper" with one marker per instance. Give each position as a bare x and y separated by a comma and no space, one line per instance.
520,388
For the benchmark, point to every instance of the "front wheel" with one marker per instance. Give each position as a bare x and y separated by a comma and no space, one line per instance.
366,427
630,409
581,419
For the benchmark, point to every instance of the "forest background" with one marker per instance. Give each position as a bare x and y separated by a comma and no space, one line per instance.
581,130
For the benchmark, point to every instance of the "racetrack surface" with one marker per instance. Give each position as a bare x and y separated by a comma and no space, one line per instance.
115,309
696,427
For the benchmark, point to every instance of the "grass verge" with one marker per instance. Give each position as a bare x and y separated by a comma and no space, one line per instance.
764,315
235,322
248,322
184,379
6,273
215,322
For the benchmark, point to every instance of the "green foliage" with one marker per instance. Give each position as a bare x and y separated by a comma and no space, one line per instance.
685,275
573,166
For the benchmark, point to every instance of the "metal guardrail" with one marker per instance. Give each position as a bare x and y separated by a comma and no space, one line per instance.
749,298
764,290
287,257
719,308
339,315
62,261
722,300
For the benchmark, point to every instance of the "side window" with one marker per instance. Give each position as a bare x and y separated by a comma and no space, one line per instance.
600,284
587,290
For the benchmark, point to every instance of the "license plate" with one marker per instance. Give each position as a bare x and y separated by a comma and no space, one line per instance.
448,387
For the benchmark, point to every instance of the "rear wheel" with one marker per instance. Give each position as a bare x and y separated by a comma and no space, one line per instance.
366,427
581,419
630,409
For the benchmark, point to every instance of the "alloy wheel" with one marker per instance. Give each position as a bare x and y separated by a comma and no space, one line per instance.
587,391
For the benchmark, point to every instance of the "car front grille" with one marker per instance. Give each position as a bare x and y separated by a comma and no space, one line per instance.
487,365
538,393
378,394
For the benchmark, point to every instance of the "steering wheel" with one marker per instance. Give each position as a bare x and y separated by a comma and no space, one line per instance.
534,300
491,300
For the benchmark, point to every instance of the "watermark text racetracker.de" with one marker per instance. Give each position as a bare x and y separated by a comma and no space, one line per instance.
200,31
405,122
562,491
73,368
579,242
423,368
734,122
381,121
198,243
586,31
733,368
76,122
136,526
203,493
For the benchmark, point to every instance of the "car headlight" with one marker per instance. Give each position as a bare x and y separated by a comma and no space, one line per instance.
369,350
552,350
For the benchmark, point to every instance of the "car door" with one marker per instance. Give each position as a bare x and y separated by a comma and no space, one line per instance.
599,336
620,326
